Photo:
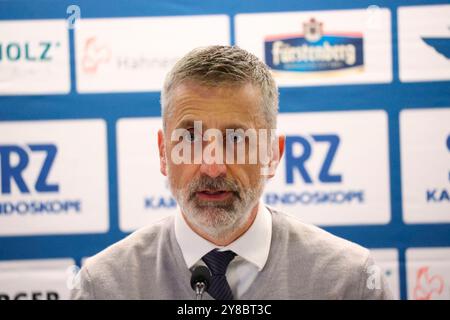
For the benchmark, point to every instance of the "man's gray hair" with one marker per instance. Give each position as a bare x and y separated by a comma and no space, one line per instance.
223,65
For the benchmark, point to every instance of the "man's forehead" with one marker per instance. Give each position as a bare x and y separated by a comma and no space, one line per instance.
204,88
206,123
224,107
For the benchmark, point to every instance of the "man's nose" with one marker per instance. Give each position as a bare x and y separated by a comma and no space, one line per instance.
213,170
213,166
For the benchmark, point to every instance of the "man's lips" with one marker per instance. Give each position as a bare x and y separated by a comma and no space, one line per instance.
216,195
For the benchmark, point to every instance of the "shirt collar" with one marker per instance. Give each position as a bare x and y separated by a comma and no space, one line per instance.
253,245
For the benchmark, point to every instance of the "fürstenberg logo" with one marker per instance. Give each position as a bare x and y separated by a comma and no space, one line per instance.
190,149
314,50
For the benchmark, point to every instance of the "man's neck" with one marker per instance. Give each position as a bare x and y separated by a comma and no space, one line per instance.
225,240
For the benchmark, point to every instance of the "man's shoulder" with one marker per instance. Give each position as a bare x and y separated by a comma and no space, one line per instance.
122,270
316,243
325,265
139,245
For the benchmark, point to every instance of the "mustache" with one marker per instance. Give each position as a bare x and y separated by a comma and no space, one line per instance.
213,184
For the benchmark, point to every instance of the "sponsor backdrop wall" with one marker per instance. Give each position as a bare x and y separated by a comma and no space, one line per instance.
365,106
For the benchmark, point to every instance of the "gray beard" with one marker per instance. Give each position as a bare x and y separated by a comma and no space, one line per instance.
218,220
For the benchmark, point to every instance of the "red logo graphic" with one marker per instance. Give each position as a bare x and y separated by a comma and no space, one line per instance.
94,54
426,285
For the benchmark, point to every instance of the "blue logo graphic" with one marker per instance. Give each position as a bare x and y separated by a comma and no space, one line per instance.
448,142
438,195
12,172
313,50
299,162
441,45
14,160
160,202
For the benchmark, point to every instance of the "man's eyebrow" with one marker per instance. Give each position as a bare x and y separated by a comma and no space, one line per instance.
235,126
189,123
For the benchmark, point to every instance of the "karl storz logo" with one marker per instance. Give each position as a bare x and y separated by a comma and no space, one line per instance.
323,177
428,273
313,50
155,202
34,57
144,195
44,170
440,195
424,43
14,160
298,154
425,155
109,60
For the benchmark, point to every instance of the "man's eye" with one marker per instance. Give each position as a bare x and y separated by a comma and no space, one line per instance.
235,137
190,136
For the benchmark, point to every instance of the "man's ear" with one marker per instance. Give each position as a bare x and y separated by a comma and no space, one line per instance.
277,154
162,153
281,144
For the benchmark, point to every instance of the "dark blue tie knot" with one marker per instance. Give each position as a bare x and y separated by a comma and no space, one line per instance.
218,261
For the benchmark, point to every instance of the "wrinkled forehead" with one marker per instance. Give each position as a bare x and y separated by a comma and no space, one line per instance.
220,106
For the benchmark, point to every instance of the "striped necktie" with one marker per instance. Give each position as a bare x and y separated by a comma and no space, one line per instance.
217,262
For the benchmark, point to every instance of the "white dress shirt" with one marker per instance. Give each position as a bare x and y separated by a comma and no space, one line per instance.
252,249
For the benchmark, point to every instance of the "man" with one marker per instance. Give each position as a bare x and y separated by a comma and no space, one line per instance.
252,251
